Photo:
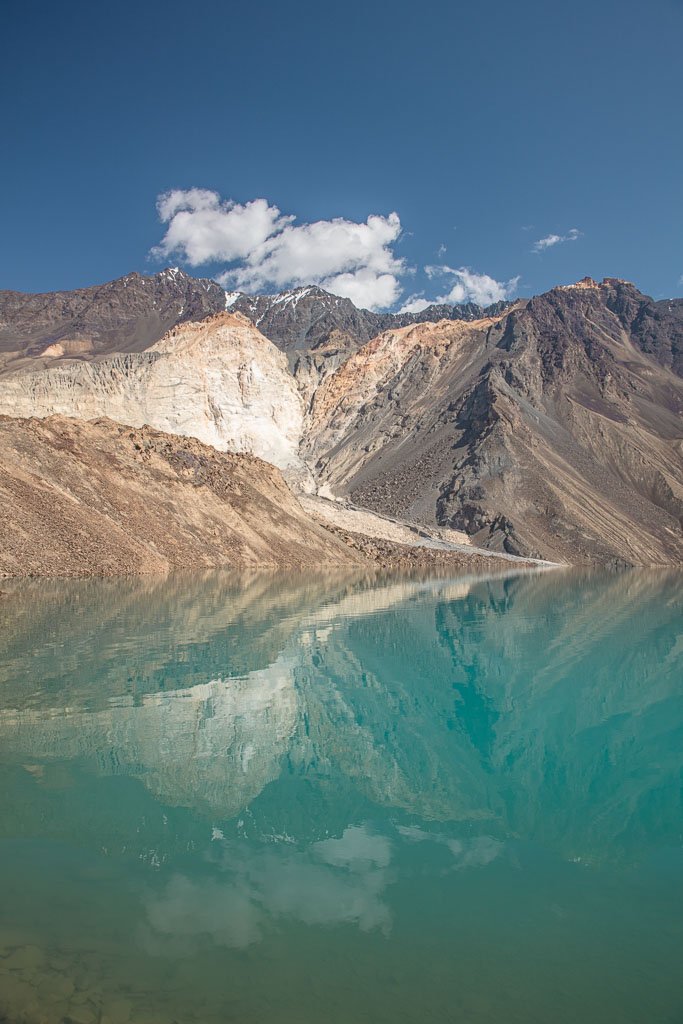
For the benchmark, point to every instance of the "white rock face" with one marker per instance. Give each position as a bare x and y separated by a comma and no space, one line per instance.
218,380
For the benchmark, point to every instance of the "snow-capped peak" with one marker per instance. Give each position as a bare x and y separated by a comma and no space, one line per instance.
293,296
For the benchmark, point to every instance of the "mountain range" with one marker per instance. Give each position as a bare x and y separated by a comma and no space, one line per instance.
133,312
548,427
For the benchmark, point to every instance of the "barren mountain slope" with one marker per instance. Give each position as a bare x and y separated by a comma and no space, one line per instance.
319,331
84,498
383,410
100,498
545,431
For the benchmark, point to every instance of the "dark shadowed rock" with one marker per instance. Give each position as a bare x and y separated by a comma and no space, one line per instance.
308,319
656,327
126,315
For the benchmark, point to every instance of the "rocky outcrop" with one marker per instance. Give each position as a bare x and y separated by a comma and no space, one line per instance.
218,380
656,327
84,498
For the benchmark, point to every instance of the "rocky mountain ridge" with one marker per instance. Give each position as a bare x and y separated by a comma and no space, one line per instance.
310,324
545,429
550,427
306,319
135,311
125,315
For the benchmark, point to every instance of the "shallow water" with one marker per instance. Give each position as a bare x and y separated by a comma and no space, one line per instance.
342,800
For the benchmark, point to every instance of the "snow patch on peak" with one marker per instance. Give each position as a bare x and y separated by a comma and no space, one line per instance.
172,274
291,297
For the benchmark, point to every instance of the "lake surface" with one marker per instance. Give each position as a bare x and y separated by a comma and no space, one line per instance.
342,800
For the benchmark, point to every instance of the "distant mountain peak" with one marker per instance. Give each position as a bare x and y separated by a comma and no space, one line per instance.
585,284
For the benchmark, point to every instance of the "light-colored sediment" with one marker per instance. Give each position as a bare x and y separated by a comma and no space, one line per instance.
218,380
373,524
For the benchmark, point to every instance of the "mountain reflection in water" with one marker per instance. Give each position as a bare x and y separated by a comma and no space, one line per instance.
480,778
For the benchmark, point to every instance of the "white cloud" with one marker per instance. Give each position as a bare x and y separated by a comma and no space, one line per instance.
468,286
415,304
550,240
323,250
365,288
268,250
202,228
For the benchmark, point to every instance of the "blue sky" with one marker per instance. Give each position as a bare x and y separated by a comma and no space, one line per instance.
486,128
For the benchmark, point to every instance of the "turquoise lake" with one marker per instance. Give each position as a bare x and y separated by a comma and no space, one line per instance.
342,800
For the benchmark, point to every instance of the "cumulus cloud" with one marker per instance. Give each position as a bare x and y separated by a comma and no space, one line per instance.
267,250
202,228
550,240
468,286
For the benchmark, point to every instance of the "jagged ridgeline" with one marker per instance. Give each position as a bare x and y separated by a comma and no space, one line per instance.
549,427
